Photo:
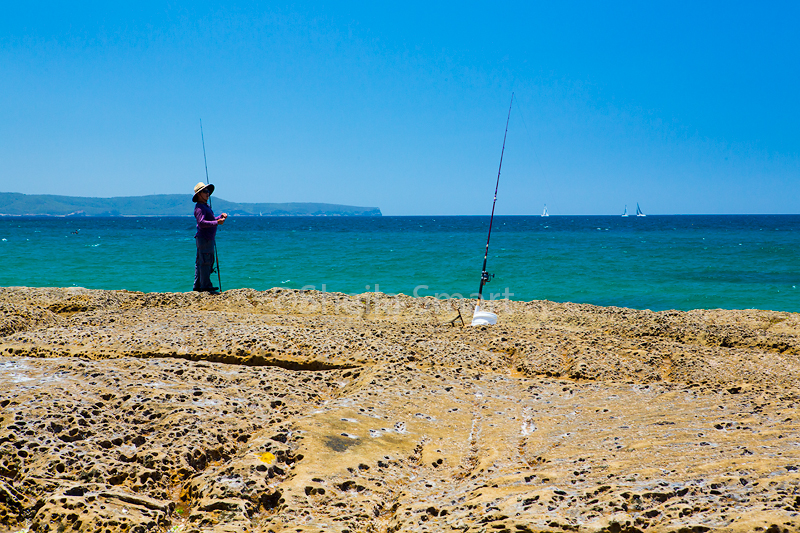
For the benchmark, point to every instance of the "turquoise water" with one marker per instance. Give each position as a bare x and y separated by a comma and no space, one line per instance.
653,262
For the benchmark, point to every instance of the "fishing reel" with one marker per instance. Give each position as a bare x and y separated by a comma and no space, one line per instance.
486,277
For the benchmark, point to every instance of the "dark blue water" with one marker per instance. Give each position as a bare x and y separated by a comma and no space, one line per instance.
653,262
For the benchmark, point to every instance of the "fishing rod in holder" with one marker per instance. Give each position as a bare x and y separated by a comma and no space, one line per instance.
485,318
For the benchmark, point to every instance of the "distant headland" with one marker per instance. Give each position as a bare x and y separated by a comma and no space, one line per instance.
17,204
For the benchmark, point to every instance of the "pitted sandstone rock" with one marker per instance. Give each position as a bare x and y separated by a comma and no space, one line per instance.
303,411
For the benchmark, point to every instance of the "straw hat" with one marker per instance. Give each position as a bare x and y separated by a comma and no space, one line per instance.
200,187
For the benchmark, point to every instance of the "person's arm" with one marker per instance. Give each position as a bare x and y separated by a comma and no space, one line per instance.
202,222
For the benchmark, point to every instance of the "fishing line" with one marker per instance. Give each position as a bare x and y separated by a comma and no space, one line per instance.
533,149
205,162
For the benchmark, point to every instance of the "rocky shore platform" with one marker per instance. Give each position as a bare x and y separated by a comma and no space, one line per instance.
292,411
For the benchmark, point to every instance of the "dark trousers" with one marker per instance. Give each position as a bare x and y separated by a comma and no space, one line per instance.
203,263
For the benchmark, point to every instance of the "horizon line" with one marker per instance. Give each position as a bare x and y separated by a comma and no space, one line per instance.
78,216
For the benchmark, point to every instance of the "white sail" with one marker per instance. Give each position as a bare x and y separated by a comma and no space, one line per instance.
639,211
545,213
625,213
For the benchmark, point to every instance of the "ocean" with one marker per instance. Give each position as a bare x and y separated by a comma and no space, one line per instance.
654,262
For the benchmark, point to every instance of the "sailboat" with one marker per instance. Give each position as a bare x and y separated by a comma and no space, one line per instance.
639,211
545,213
625,213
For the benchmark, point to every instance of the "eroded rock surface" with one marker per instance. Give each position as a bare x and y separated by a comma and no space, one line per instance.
304,411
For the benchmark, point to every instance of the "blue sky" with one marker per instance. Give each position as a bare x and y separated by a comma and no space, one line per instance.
684,107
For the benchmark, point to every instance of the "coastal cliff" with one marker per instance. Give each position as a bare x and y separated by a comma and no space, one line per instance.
161,205
303,411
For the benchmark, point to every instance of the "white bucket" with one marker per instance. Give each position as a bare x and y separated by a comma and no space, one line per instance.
483,318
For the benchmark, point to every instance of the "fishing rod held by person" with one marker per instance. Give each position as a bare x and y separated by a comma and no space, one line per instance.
205,162
205,237
485,318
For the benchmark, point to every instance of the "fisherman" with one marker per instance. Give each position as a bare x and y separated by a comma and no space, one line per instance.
205,238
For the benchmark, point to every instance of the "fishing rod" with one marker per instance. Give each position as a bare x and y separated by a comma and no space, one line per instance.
205,162
485,276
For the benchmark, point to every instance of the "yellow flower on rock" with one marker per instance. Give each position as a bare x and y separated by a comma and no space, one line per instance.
266,457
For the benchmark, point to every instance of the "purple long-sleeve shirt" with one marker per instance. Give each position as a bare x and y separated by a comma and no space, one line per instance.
206,221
